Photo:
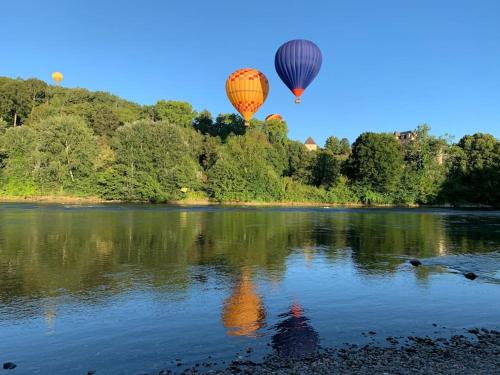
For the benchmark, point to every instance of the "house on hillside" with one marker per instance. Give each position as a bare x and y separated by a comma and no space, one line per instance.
310,144
404,137
408,136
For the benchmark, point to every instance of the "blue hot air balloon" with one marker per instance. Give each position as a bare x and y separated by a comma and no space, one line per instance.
297,63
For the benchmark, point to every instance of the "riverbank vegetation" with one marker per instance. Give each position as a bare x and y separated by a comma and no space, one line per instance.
73,142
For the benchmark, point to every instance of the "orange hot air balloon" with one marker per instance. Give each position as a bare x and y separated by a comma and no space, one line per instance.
247,90
57,77
243,311
274,116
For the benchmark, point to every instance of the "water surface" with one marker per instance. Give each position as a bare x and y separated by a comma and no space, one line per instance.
124,289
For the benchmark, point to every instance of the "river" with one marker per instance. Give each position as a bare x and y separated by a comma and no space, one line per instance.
125,289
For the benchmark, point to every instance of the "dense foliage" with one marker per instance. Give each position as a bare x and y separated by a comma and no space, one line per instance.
59,141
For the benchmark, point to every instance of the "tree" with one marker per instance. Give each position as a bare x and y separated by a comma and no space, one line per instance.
338,147
3,126
67,154
210,151
103,120
473,170
155,161
38,91
424,171
75,141
15,101
300,162
204,123
481,152
241,172
174,112
327,169
276,131
376,162
227,124
19,161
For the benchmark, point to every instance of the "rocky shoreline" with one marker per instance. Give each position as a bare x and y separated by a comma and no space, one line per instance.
479,353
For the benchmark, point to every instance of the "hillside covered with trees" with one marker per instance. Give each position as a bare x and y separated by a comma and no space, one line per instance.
73,142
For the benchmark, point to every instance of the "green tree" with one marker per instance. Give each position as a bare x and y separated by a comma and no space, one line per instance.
210,151
424,172
241,173
227,124
276,131
338,147
174,112
204,123
15,101
155,161
38,91
103,120
67,154
327,169
300,162
20,161
376,162
473,170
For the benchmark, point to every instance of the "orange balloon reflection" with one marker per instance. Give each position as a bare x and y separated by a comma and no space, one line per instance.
243,313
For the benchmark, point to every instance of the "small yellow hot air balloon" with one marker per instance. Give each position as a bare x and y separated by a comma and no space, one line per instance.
57,77
247,90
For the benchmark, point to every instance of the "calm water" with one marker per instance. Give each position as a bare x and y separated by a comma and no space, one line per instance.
125,289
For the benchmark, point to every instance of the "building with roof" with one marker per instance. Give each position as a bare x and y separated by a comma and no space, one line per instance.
310,144
405,137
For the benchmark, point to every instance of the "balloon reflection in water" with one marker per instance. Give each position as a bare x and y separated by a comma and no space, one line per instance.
243,313
295,337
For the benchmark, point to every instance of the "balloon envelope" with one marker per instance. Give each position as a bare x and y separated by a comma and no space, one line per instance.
247,90
297,63
57,77
274,116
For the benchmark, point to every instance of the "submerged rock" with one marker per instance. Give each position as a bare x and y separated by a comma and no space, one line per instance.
470,275
415,262
9,366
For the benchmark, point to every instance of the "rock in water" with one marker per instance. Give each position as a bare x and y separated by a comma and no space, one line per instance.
9,366
470,276
415,262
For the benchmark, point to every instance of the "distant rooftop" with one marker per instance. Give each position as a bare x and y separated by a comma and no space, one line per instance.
408,132
406,136
310,141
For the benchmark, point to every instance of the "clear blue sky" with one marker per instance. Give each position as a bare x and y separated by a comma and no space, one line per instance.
387,64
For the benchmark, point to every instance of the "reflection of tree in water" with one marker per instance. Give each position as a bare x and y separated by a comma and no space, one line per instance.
243,313
295,337
95,253
377,239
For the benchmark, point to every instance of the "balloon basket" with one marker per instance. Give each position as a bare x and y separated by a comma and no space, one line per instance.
297,100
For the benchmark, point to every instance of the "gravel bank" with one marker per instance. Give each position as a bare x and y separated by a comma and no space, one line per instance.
458,355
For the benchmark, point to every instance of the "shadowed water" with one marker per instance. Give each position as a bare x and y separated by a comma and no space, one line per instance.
124,289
